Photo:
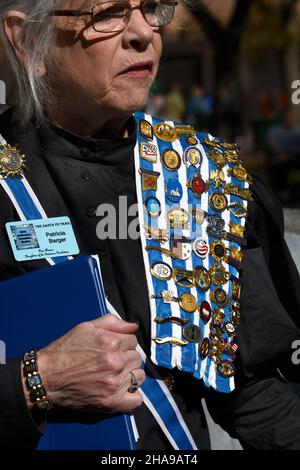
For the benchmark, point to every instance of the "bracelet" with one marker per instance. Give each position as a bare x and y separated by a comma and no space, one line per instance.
38,394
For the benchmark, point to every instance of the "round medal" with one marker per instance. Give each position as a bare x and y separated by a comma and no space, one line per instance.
171,160
200,248
192,333
220,297
225,369
218,201
153,206
177,218
165,132
192,140
205,311
12,162
174,191
192,156
188,302
161,271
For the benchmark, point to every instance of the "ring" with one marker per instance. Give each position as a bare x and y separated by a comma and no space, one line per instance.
134,384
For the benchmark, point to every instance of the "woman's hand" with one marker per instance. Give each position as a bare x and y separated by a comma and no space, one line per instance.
88,369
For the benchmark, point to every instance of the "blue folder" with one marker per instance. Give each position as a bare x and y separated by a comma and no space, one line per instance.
38,308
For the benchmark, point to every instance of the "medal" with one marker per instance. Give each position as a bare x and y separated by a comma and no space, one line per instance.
146,129
171,160
218,275
218,201
156,235
238,210
239,173
225,369
177,218
174,191
170,339
178,321
192,156
200,247
152,206
165,132
205,311
149,179
219,297
148,152
192,140
197,185
12,162
204,348
161,271
192,333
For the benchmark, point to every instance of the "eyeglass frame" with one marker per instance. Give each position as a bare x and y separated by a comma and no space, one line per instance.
78,13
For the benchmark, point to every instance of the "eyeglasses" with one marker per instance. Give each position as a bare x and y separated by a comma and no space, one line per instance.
114,16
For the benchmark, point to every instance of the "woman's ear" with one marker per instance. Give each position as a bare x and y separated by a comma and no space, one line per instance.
13,23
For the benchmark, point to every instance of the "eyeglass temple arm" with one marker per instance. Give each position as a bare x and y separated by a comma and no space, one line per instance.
83,13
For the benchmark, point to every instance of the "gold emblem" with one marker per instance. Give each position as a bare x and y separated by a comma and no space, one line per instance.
239,173
237,191
237,230
188,302
171,160
12,162
219,316
178,218
165,132
219,275
232,156
238,210
158,235
192,140
225,369
218,251
236,254
218,202
217,178
146,129
218,158
236,290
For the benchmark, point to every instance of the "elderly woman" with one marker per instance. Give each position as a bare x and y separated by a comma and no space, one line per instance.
83,68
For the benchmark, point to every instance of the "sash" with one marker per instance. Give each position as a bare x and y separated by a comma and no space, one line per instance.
192,194
155,393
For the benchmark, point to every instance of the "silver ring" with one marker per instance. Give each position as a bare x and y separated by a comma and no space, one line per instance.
133,384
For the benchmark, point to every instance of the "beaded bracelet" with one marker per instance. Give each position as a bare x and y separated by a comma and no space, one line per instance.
38,394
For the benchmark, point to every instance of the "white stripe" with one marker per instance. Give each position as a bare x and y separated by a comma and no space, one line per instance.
12,198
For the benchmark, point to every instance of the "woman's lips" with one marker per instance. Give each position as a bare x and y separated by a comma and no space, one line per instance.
139,70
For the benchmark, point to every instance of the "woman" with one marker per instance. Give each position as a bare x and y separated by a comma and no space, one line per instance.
82,70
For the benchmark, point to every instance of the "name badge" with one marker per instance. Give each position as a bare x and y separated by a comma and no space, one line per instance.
42,238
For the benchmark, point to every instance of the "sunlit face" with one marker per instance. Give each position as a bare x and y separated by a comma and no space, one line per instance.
107,73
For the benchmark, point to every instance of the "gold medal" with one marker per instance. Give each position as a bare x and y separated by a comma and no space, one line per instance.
225,369
237,191
236,290
188,303
192,333
171,160
218,201
218,251
239,173
177,218
12,162
232,156
192,140
146,129
219,275
165,132
204,348
219,316
237,230
218,158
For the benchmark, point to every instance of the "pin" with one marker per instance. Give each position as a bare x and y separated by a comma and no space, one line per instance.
237,191
161,271
12,162
197,185
219,316
200,247
219,297
156,235
153,206
198,215
218,158
218,201
238,210
181,249
165,132
218,275
225,369
148,152
178,218
192,333
192,156
171,160
149,179
187,301
205,311
192,140
217,178
236,289
230,328
174,191
203,279
240,173
170,339
204,348
178,321
146,129
218,251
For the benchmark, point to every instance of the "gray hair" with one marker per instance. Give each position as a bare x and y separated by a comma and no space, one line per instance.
37,37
